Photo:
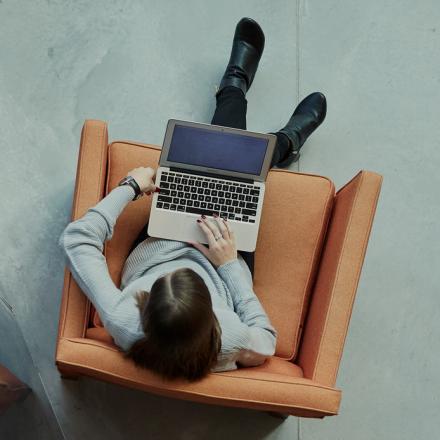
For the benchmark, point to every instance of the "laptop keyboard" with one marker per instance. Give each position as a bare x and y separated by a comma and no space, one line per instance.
205,195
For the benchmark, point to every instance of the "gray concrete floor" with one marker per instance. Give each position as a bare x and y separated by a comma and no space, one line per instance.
138,63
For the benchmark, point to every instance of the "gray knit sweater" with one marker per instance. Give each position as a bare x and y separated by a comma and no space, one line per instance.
248,337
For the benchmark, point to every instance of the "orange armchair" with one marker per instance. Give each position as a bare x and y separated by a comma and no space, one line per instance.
310,250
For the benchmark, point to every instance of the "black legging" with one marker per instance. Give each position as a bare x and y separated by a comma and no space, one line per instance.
231,112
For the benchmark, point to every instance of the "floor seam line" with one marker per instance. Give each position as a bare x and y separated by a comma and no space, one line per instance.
298,58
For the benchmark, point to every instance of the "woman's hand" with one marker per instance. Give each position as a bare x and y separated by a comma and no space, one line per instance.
144,178
222,250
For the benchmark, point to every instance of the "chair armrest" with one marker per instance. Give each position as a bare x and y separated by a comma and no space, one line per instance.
89,190
338,276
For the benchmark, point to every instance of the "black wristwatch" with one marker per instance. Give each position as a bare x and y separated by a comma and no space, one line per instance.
130,181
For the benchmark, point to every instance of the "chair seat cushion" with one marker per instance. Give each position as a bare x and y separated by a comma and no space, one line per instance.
294,220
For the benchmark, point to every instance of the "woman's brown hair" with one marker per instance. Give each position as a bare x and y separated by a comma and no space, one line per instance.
182,334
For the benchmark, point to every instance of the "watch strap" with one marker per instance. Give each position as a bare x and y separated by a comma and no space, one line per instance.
129,180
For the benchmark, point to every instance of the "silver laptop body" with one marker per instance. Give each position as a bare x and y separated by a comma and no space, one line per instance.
206,169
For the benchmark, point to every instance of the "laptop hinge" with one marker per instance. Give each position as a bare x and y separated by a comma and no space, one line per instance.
216,176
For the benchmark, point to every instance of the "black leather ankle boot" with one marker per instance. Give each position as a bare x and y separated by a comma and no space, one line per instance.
307,117
247,48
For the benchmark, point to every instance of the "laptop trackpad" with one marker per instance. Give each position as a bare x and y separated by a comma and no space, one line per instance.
175,226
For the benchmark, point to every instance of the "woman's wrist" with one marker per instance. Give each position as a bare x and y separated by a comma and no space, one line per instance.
228,262
127,188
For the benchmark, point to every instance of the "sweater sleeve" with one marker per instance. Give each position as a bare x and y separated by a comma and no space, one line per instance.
82,242
259,334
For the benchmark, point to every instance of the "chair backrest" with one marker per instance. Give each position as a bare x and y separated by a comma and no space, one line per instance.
293,224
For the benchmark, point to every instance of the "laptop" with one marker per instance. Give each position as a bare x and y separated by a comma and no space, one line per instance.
206,169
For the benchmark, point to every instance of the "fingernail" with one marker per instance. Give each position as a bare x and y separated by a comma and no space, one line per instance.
203,216
199,221
157,189
214,214
148,193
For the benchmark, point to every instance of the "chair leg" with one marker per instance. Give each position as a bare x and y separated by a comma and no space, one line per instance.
277,414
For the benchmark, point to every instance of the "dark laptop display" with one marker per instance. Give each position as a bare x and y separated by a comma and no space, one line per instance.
226,151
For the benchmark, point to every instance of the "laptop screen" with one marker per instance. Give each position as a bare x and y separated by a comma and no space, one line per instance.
220,150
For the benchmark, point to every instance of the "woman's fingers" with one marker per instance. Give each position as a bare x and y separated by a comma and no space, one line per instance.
218,227
208,232
221,224
212,226
229,229
224,226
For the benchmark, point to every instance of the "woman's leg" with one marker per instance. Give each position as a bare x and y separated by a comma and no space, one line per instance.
231,108
231,112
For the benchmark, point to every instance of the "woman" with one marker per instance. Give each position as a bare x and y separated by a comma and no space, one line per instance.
184,309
